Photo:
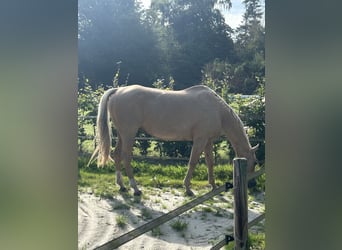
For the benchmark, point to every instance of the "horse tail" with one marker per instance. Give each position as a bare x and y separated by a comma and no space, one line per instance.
103,131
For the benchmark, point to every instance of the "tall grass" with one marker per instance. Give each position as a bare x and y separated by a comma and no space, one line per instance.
147,174
178,171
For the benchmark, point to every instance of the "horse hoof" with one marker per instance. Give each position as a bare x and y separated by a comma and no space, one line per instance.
189,193
123,189
137,193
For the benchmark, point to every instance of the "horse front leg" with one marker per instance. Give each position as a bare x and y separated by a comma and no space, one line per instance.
197,149
209,160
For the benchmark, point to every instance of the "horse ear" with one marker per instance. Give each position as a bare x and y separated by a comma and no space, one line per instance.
255,148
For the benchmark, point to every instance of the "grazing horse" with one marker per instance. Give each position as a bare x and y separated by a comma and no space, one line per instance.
194,114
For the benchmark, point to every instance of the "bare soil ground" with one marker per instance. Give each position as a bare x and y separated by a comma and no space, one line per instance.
206,224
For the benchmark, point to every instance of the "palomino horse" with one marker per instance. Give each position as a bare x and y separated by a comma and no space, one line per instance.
194,114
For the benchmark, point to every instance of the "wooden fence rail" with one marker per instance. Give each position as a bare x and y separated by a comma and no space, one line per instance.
91,137
241,224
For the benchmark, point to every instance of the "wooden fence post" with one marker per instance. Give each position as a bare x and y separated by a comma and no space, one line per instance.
240,203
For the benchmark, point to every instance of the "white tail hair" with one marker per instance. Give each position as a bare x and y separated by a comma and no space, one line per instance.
103,131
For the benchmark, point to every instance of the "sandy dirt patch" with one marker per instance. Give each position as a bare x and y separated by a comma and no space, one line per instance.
206,224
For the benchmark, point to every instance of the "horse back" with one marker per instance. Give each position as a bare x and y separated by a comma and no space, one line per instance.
172,115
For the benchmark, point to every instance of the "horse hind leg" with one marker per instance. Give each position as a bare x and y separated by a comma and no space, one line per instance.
117,162
127,146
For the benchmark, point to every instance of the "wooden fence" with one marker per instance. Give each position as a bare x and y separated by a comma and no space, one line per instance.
241,223
162,154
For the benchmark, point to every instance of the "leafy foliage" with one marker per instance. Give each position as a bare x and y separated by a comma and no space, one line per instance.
250,108
172,45
175,38
88,99
111,32
143,145
253,114
217,76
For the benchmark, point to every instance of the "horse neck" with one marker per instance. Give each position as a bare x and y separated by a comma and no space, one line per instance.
235,132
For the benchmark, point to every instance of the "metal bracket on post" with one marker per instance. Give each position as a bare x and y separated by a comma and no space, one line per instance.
228,186
223,242
229,238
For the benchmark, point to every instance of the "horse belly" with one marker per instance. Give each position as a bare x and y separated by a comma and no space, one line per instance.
168,129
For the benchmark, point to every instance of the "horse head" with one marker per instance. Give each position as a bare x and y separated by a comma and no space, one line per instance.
251,159
251,162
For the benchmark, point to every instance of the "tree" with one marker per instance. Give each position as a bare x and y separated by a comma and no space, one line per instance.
198,33
250,28
217,75
250,49
112,31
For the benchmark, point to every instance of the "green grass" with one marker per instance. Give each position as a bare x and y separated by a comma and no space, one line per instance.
121,220
102,180
146,214
179,225
178,172
156,232
101,184
255,241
